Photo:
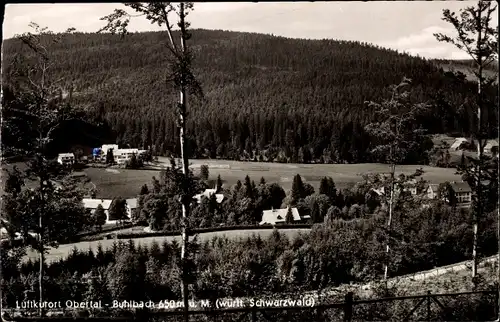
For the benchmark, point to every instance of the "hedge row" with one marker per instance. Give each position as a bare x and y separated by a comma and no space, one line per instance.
193,231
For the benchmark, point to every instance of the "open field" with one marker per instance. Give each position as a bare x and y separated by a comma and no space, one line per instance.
63,250
127,183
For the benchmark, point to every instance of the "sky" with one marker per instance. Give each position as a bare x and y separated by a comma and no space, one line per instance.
407,26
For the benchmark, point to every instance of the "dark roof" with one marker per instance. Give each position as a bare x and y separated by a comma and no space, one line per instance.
460,186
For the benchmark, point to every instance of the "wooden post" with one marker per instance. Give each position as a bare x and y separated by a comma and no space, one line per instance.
428,305
348,306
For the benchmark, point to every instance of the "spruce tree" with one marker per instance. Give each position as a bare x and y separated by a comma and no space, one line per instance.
289,216
297,191
218,184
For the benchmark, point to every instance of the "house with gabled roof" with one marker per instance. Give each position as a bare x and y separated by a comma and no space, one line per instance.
208,193
457,144
491,147
463,193
278,216
92,204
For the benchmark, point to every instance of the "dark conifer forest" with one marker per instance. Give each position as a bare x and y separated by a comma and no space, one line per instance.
265,97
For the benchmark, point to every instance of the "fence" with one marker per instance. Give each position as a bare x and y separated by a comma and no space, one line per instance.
478,306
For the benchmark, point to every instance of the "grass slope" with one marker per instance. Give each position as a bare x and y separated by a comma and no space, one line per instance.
127,183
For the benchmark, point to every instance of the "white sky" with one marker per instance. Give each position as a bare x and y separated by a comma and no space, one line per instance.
405,26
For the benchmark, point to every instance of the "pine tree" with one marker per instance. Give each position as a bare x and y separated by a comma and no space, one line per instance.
218,184
110,157
204,172
99,217
289,216
323,186
118,209
144,190
297,191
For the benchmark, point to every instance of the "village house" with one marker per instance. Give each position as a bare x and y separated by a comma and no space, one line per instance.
463,193
66,158
208,193
458,144
462,190
92,204
410,186
432,191
278,216
491,147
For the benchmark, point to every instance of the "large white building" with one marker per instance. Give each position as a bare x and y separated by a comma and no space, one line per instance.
92,204
66,158
121,156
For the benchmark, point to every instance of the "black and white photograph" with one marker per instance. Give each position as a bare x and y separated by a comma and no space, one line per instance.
250,161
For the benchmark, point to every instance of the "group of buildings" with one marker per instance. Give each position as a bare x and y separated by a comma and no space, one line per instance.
490,148
461,189
120,156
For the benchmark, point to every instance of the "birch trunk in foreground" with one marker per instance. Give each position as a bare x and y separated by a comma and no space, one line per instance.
184,81
480,41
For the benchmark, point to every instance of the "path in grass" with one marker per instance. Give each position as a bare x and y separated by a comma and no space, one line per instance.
127,183
63,250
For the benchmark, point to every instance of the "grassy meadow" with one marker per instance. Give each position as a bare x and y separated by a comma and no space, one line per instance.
127,183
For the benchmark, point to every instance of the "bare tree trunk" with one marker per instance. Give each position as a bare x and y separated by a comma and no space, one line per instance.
41,249
389,222
498,187
185,169
480,148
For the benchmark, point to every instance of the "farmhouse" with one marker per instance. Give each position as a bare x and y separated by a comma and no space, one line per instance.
278,216
491,147
463,193
207,193
458,143
432,191
410,186
66,158
92,205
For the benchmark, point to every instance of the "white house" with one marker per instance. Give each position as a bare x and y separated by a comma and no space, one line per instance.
123,155
66,158
432,191
457,143
490,147
106,147
208,193
463,193
278,216
131,206
92,204
410,186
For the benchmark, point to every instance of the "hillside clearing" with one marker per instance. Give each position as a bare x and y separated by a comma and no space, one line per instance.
127,183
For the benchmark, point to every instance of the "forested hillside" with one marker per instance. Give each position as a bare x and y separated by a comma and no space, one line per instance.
265,96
